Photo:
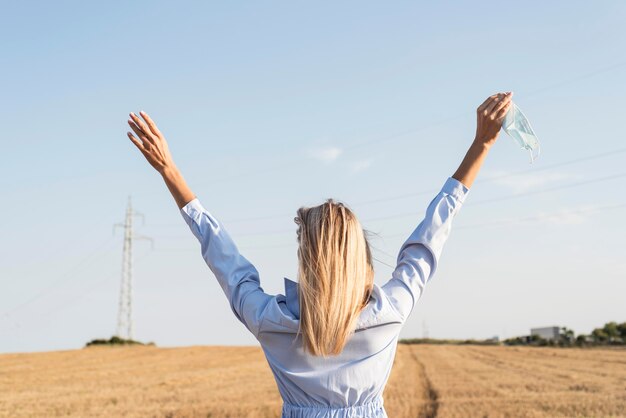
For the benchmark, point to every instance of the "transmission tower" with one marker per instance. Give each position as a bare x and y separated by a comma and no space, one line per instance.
125,311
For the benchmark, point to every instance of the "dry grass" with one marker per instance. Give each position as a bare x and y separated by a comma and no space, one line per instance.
478,381
426,381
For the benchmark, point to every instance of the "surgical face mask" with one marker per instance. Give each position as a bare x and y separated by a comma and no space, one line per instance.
517,127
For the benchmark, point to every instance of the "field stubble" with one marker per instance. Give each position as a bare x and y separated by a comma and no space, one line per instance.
427,381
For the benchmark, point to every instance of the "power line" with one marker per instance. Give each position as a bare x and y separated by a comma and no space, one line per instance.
505,222
98,284
86,292
480,202
513,196
384,264
542,217
65,277
498,177
579,77
551,166
432,190
539,217
529,94
69,274
465,113
459,115
565,186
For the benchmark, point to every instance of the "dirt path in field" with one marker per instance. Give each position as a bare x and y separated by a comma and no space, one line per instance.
431,405
406,393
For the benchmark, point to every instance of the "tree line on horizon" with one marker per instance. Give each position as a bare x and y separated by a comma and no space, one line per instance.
611,334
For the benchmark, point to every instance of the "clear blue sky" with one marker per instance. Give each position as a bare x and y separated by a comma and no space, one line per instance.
268,106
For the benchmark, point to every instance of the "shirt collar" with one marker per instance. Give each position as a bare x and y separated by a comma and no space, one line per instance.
291,297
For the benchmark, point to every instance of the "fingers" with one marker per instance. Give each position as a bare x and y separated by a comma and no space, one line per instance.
492,105
495,103
487,102
150,123
144,150
135,141
140,133
504,109
142,125
141,147
505,101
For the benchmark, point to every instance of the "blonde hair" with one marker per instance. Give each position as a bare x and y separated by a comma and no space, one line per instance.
335,275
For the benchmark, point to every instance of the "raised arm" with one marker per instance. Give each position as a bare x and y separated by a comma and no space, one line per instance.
419,256
237,277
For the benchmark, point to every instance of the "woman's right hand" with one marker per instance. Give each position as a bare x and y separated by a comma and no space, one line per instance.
150,142
489,117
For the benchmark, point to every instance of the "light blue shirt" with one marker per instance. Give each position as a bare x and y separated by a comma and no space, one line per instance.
350,384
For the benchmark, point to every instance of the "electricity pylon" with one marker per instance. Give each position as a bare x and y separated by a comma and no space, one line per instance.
125,311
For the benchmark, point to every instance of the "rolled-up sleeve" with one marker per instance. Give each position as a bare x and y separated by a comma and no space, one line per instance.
238,278
419,255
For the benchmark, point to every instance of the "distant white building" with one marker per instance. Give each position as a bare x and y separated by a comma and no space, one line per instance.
547,333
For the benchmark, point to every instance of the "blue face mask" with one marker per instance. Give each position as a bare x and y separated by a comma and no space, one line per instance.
517,127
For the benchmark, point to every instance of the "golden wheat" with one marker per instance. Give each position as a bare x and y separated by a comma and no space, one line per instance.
215,381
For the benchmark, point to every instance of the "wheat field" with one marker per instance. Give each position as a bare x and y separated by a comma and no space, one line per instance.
214,381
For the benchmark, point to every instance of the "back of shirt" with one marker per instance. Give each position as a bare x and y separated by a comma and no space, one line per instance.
356,376
352,383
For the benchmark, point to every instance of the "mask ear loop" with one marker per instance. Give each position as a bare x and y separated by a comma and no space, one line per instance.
533,157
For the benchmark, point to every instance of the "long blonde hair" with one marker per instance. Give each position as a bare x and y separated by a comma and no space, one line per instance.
335,275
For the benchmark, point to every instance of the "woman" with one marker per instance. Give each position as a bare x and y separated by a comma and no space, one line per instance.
330,340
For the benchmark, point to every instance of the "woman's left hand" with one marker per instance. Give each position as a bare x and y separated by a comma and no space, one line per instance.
151,142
